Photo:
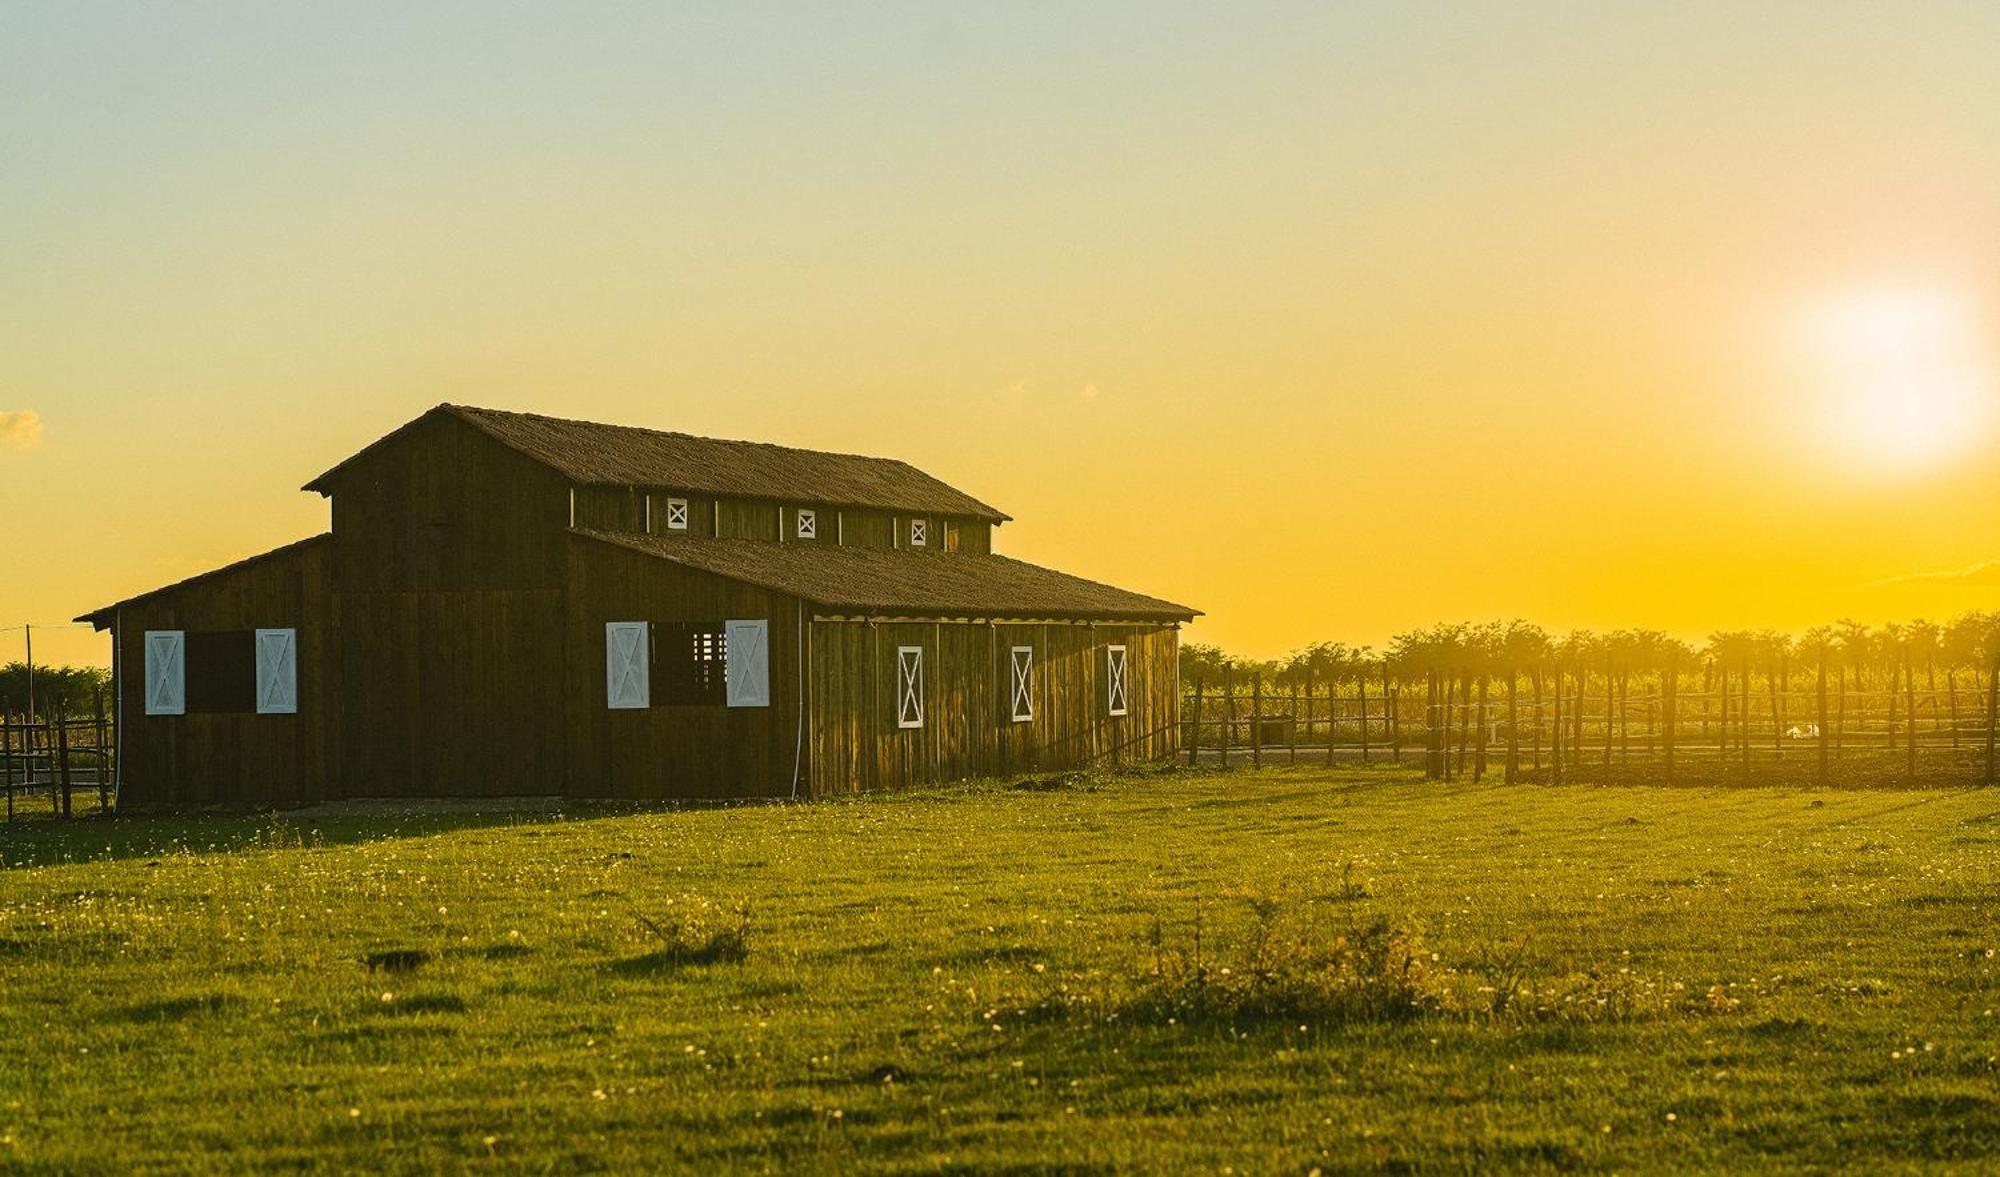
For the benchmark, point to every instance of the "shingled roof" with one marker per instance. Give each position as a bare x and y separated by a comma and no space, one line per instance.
101,618
864,580
589,453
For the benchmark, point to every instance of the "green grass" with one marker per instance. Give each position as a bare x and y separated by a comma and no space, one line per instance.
963,979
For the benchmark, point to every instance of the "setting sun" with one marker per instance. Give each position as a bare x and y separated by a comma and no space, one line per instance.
1902,378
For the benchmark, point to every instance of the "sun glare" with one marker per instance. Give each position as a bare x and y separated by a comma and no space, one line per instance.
1899,380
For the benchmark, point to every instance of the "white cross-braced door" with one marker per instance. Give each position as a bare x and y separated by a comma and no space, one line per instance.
166,672
909,686
1114,678
747,661
1023,658
808,524
277,672
628,680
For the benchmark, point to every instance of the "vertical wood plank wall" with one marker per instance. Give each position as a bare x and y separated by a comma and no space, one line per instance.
239,758
968,729
667,751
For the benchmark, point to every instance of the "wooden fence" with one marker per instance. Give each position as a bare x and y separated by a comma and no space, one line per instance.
60,757
1557,727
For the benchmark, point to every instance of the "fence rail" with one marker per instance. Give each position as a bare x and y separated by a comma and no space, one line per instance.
57,756
1564,727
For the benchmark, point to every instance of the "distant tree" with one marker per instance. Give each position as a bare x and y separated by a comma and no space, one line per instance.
71,687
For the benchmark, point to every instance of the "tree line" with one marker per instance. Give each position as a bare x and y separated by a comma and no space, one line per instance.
73,689
1510,682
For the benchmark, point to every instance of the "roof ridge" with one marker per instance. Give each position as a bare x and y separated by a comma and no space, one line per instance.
473,412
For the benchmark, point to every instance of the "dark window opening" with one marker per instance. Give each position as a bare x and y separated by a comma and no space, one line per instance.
221,672
689,664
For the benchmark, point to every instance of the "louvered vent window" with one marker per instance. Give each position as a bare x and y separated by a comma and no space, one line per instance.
692,664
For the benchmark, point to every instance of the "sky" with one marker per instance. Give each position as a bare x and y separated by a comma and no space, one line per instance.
1328,320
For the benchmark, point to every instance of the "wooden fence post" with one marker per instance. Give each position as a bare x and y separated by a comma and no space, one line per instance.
1610,682
1361,681
1670,697
103,751
1331,685
1228,713
1430,725
1825,733
1556,731
1293,741
1910,710
1392,700
1257,720
1194,742
7,756
62,754
1951,698
1479,737
1513,723
1992,713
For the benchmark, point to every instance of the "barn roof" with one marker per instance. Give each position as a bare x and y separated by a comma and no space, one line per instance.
864,580
590,453
101,618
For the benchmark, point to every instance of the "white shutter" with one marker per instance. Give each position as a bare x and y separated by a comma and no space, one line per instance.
747,656
628,682
166,672
909,686
277,671
1023,683
1114,673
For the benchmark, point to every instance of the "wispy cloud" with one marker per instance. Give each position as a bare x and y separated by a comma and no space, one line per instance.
1980,575
20,428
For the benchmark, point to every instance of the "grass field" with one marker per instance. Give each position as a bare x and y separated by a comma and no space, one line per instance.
1000,979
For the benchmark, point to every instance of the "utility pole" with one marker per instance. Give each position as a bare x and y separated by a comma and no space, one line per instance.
29,630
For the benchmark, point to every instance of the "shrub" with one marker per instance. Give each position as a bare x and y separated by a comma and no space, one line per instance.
1294,967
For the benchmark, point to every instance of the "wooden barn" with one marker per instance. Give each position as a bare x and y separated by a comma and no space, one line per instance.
517,604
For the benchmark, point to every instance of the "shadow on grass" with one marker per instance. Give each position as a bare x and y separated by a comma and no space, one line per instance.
669,960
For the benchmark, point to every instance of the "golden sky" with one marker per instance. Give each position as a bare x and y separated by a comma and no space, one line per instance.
1329,320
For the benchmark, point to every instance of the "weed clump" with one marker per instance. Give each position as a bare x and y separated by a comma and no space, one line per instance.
1292,968
697,933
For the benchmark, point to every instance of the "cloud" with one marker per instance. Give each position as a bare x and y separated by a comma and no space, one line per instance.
20,429
1981,575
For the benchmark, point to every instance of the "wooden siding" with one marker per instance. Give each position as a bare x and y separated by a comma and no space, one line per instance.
444,506
453,694
667,751
236,758
968,729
